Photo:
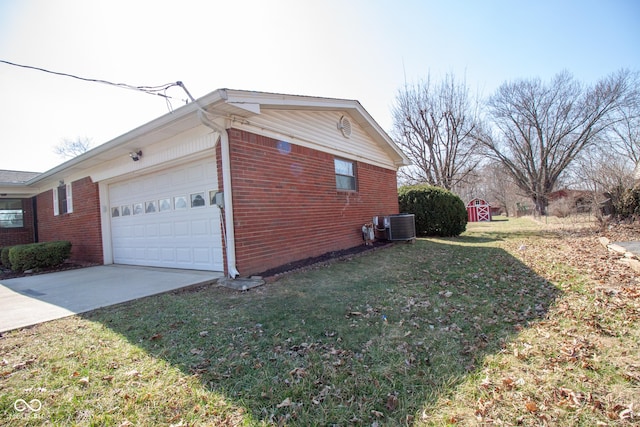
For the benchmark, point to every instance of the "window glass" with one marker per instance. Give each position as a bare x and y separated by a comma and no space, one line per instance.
150,207
62,199
137,209
165,205
197,200
345,175
344,167
11,214
180,202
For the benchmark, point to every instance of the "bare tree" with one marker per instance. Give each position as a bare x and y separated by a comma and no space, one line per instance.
541,128
491,182
625,132
501,189
70,148
606,174
434,124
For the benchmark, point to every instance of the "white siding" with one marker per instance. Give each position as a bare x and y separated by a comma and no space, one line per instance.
170,150
318,130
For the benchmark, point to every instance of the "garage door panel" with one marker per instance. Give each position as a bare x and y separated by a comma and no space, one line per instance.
201,255
139,230
200,228
139,254
168,254
172,234
153,254
165,229
181,229
151,230
178,177
183,254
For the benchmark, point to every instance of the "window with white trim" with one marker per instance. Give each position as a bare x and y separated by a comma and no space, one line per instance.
11,213
345,175
62,199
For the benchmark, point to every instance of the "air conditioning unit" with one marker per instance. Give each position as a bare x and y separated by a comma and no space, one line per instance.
396,227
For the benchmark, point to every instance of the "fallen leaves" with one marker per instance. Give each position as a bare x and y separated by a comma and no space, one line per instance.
298,372
134,373
285,403
392,402
531,406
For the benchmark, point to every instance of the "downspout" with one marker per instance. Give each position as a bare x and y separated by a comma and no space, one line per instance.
34,208
227,194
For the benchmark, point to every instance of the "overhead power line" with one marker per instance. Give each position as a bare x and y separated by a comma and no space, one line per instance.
151,90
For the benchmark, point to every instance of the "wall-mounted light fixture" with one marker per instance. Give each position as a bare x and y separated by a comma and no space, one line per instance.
135,155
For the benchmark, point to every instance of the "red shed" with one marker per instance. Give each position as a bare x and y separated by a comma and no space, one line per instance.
478,210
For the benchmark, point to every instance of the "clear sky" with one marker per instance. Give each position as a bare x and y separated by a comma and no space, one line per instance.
355,49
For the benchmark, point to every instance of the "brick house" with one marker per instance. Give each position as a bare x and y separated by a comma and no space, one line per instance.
237,181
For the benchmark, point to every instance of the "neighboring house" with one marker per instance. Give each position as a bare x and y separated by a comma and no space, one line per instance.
567,201
238,181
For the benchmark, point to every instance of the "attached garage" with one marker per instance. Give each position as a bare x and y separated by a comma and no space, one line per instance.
167,218
146,197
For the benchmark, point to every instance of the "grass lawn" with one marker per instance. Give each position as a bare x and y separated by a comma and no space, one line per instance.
509,324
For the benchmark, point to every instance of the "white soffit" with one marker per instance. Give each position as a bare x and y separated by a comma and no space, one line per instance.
251,107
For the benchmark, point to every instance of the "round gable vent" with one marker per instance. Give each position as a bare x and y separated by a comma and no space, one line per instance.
345,126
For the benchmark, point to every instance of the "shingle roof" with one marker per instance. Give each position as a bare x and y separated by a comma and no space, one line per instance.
16,177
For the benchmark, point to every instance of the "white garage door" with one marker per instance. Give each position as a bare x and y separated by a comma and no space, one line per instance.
166,219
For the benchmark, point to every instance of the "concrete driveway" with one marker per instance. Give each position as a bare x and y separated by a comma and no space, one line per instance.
30,300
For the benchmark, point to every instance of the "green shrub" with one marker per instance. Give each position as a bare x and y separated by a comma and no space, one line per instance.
39,255
438,212
627,205
4,257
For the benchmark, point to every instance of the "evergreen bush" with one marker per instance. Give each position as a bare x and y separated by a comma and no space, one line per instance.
39,255
438,212
4,257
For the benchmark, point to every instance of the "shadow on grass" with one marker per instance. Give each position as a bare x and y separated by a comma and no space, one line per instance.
372,339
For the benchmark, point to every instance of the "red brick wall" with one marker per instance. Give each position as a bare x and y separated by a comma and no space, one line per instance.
81,227
287,207
23,235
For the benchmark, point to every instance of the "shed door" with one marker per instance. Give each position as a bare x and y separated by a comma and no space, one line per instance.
166,219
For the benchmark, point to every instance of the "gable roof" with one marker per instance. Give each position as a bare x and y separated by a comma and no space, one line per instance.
16,177
224,104
14,183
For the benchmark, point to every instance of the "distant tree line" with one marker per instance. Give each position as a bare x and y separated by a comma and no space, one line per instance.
524,141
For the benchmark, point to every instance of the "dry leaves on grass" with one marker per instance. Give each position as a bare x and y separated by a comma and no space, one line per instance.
587,334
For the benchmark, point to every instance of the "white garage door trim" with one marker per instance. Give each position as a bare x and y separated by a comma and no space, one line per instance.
167,218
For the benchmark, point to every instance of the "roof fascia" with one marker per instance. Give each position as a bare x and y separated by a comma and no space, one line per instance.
148,127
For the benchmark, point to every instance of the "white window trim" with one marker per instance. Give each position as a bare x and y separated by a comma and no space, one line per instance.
69,199
56,206
56,209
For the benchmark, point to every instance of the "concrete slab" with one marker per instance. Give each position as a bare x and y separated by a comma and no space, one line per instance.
26,301
633,247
